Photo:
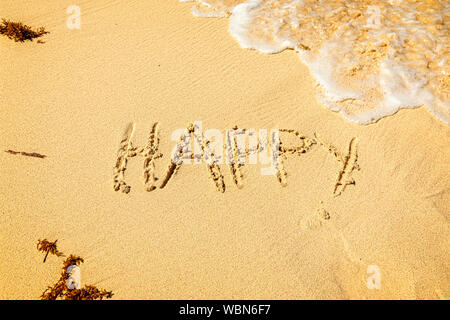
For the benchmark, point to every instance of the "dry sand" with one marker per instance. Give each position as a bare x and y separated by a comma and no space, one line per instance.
71,99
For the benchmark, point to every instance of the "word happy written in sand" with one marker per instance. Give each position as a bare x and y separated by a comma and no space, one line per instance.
196,146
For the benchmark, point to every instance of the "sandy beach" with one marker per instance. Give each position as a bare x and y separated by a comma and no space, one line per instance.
72,98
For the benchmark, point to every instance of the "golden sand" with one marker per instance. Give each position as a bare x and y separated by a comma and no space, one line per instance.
145,62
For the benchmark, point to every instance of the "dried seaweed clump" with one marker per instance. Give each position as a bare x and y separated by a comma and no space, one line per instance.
48,247
88,293
60,289
20,32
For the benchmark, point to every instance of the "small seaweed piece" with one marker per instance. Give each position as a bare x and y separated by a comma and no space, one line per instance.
28,154
58,290
72,260
48,247
88,293
20,32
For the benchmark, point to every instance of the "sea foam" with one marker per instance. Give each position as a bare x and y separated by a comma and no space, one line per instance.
369,58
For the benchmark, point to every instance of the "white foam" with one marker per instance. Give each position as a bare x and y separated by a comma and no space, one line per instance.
380,87
242,21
